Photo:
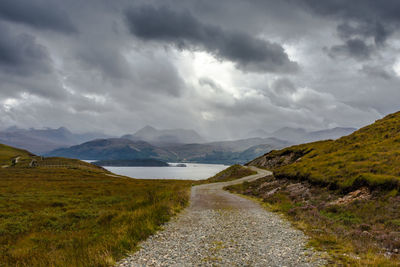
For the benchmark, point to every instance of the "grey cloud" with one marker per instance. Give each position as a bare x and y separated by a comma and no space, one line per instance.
280,92
284,85
40,14
355,48
21,54
376,71
365,30
205,81
127,77
159,77
106,59
356,9
183,30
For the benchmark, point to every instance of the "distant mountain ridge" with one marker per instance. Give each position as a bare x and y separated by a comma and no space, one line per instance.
229,152
226,152
166,136
114,149
300,135
169,145
43,140
333,134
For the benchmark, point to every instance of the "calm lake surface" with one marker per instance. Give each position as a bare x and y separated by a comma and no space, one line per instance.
193,171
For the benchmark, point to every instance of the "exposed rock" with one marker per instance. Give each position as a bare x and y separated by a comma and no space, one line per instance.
268,184
270,193
298,190
273,160
359,194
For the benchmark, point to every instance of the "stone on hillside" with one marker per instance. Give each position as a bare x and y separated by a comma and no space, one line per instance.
359,194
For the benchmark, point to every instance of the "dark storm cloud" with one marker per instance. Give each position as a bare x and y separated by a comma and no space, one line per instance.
183,30
355,48
358,21
40,14
21,54
357,9
374,14
365,30
116,74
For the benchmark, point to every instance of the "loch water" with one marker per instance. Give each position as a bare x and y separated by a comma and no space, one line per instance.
192,171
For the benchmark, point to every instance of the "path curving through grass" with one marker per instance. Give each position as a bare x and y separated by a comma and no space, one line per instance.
223,229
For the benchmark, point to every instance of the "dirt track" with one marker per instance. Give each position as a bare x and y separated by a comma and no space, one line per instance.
223,229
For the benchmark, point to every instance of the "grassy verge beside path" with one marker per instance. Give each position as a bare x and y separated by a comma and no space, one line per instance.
231,173
79,216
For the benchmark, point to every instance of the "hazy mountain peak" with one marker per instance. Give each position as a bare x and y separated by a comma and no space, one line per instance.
165,136
258,133
12,129
291,129
45,139
300,135
63,129
147,128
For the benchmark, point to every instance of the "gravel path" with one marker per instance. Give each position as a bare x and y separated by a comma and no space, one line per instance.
223,229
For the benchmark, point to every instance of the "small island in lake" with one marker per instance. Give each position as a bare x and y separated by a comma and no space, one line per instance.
180,165
131,163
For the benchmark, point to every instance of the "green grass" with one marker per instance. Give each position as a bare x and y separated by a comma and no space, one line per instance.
231,173
71,213
368,157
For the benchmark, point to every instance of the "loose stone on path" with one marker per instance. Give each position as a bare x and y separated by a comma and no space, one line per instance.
223,229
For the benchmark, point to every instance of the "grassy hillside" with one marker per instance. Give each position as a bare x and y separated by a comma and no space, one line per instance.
368,157
7,153
70,213
344,194
232,173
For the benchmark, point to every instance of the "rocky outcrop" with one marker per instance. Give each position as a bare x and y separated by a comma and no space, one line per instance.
360,194
276,159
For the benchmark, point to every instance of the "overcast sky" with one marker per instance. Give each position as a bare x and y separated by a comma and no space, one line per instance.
220,67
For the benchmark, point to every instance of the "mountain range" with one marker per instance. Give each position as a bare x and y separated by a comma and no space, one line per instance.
113,149
168,144
167,136
43,140
226,152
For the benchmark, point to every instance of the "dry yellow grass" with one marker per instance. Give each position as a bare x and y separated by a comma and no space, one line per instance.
78,215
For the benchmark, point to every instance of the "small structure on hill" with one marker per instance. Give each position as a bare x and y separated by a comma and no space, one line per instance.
33,163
